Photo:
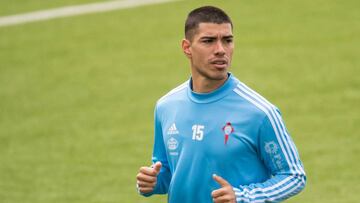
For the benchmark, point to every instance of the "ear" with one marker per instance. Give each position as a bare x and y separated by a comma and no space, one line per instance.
186,44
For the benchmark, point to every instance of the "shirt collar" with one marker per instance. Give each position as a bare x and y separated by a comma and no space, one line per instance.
214,95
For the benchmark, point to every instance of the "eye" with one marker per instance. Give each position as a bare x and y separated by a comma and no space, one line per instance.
229,40
208,41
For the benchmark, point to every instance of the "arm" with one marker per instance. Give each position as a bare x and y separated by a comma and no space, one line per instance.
280,155
159,155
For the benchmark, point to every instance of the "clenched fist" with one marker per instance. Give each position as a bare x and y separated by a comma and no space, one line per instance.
147,177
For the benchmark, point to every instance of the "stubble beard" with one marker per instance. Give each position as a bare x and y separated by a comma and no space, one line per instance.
213,74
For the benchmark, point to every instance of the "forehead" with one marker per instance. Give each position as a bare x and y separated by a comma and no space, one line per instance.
213,29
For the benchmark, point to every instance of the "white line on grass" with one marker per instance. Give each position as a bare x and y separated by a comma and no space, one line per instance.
73,10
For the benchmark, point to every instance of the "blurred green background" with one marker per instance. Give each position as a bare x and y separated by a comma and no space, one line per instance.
77,93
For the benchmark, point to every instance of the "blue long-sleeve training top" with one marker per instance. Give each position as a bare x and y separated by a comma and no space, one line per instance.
232,132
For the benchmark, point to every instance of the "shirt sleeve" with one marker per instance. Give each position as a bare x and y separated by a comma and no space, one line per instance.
279,154
159,154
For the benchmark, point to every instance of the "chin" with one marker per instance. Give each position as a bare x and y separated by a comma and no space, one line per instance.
213,73
220,75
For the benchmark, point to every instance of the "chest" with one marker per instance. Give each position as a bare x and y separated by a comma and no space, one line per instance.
218,131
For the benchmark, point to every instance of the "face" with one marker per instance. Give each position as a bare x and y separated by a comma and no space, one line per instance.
210,51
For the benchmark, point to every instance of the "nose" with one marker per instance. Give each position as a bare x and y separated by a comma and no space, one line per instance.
219,49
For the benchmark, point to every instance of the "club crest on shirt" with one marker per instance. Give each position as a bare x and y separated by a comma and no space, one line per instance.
228,129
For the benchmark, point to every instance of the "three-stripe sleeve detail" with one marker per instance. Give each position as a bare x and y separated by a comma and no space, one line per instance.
291,184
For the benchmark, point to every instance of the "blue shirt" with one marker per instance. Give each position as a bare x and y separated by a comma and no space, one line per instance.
232,132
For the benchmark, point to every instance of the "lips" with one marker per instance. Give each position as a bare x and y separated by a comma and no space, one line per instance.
219,63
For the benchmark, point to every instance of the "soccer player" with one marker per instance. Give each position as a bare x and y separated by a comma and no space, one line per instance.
217,140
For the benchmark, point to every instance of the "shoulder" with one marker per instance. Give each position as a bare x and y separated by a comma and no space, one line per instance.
178,93
254,100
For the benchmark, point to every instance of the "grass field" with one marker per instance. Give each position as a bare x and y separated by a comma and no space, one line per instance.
16,7
77,94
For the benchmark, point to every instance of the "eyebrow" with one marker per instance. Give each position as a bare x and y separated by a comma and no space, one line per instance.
213,37
228,36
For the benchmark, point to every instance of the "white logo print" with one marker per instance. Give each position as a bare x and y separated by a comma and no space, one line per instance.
172,130
271,147
172,143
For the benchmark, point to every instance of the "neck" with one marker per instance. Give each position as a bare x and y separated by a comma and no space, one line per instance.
205,85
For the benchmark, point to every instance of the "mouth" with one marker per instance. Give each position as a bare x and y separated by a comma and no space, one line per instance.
219,63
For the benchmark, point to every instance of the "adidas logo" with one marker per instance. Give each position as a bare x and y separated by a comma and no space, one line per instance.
172,130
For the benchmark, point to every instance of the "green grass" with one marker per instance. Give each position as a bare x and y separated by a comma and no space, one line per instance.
16,6
77,94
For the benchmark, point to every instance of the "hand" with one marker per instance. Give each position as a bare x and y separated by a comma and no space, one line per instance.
225,194
147,177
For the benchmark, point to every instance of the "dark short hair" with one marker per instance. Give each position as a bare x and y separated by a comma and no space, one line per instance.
205,14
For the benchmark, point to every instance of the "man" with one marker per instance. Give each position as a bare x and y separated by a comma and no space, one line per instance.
216,140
